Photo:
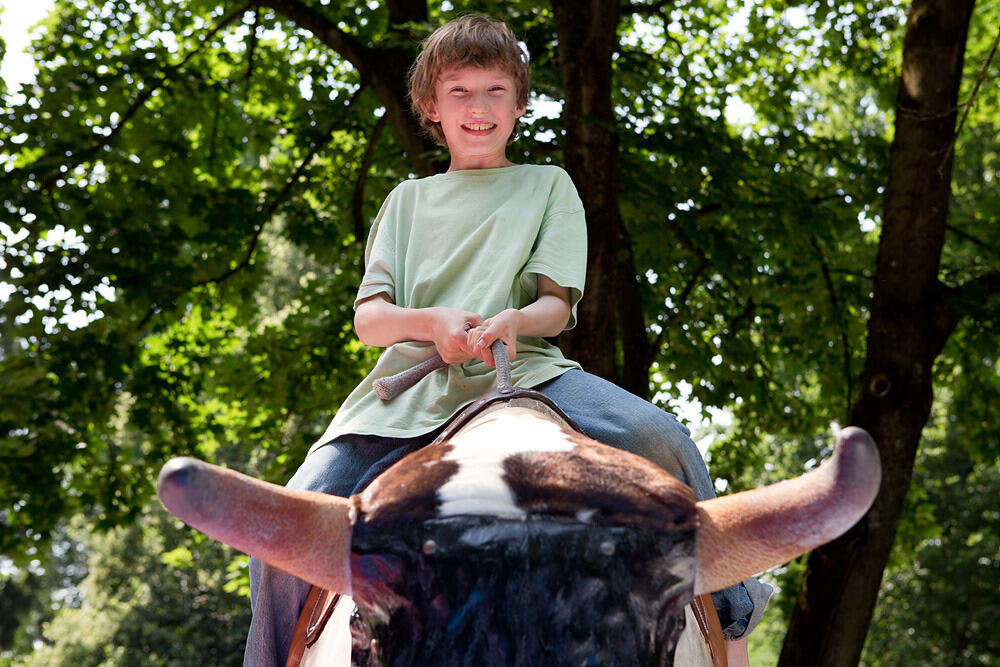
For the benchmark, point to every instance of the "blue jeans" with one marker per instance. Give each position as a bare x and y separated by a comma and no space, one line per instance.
603,411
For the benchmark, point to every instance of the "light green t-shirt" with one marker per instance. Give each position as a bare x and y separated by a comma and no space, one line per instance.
475,240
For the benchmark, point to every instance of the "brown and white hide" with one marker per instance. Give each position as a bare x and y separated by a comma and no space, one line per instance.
521,542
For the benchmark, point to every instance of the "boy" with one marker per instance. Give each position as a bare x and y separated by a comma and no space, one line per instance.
485,238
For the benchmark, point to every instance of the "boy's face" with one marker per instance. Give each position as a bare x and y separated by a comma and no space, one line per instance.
477,109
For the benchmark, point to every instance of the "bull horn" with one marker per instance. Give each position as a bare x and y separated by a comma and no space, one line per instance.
746,533
264,520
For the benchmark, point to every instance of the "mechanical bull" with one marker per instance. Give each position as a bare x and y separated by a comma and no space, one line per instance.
515,540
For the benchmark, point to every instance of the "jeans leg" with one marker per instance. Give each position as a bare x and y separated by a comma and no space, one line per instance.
276,597
340,468
609,414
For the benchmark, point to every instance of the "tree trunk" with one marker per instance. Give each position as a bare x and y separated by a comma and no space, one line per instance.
381,67
387,77
908,327
588,37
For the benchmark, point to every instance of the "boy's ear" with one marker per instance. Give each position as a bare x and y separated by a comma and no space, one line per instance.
429,107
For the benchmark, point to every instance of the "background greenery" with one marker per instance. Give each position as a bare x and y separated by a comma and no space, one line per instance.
187,190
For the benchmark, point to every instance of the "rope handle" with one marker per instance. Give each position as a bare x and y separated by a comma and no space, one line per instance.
388,388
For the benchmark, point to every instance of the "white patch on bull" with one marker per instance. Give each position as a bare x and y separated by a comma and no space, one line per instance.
584,516
478,488
333,646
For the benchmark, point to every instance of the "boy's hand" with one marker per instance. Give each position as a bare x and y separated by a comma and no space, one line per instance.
450,333
504,325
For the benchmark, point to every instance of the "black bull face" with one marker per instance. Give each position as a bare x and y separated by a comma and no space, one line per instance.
521,542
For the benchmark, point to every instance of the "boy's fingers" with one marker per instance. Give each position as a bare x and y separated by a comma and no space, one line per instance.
481,348
481,339
475,341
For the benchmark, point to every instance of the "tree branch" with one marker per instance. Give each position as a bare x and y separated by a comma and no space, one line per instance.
747,313
857,274
972,98
682,298
845,344
406,11
267,213
653,8
381,67
978,297
251,51
322,28
970,238
359,186
698,252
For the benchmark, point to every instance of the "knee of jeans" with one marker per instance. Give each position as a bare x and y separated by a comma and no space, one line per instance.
656,428
675,423
667,443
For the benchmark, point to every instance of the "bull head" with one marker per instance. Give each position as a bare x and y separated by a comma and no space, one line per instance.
518,534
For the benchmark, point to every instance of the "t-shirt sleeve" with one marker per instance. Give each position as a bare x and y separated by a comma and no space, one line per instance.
560,250
380,255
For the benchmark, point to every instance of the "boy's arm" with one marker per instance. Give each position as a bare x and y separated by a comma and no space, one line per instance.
546,316
381,323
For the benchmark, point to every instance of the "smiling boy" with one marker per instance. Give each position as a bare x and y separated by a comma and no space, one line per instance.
486,250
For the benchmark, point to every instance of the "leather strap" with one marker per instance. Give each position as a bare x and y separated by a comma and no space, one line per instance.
315,613
515,396
711,629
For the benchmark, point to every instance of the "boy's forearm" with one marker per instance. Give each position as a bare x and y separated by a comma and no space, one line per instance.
545,317
549,313
381,323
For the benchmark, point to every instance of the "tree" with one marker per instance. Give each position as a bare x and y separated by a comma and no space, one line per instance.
913,314
187,190
588,38
30,595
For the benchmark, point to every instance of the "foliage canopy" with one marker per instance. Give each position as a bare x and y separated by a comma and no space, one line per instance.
187,188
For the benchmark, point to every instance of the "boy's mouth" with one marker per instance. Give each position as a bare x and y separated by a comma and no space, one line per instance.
479,128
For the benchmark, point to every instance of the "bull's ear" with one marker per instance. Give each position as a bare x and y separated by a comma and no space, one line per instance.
307,534
746,533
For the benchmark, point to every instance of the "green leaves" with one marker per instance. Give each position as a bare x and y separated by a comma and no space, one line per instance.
187,189
152,595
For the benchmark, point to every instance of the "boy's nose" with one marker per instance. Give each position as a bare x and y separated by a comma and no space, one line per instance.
479,101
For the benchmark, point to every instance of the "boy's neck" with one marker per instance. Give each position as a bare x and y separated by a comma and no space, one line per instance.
491,163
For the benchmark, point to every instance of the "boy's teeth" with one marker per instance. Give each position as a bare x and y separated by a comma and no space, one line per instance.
479,126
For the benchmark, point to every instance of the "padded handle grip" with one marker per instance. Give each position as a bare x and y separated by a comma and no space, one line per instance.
388,388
